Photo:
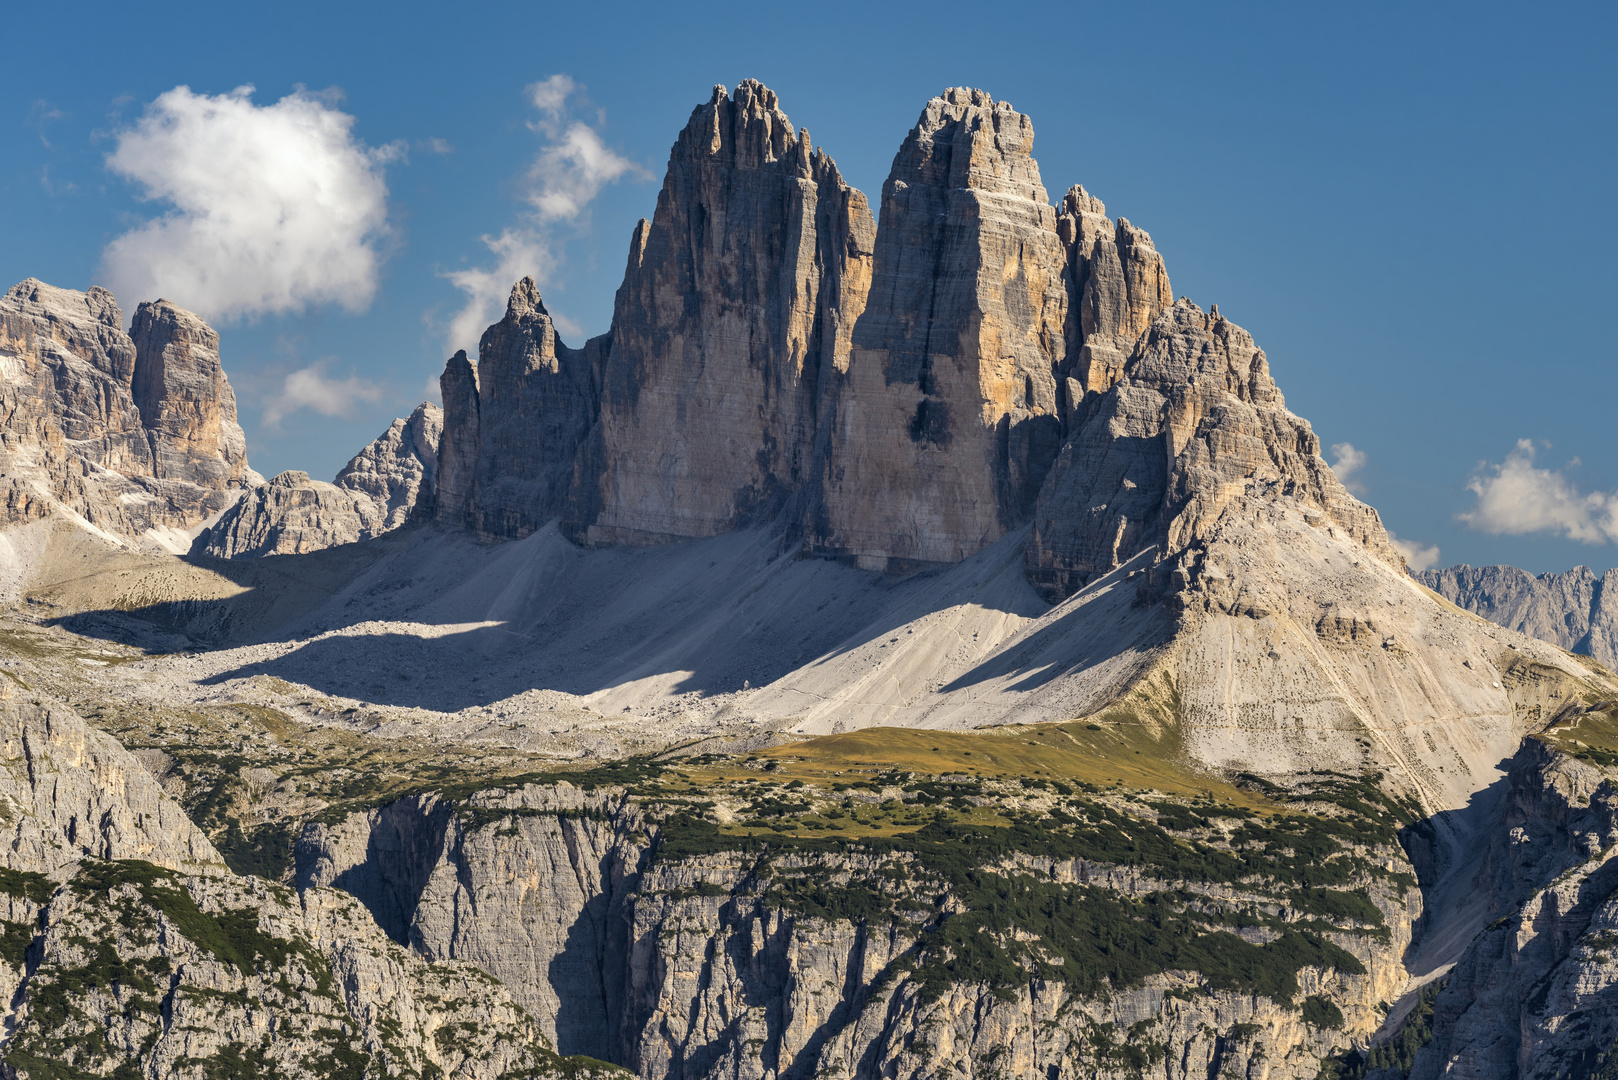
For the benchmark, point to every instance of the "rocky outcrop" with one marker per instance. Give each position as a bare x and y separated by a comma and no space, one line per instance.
185,402
398,469
1194,424
382,488
1536,993
135,437
942,428
73,792
737,304
1119,283
515,422
1575,609
675,953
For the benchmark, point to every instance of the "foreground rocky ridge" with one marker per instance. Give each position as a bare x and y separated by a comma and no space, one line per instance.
128,945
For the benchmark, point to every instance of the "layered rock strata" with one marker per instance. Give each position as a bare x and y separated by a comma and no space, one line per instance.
736,305
632,941
135,436
1193,424
902,396
381,489
948,415
1575,609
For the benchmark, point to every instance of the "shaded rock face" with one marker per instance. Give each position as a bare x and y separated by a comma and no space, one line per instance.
378,491
129,435
1535,994
948,415
516,422
398,469
1574,609
1194,423
737,303
703,965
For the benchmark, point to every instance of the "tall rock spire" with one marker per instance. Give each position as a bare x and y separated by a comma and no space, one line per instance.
948,415
738,297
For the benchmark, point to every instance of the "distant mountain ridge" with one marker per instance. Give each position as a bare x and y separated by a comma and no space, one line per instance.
1574,609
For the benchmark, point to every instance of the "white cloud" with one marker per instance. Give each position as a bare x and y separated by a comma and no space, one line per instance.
275,207
312,388
1516,497
1347,464
1419,556
571,168
550,95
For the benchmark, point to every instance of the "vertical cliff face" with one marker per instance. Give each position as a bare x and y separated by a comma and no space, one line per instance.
185,403
129,435
738,295
536,403
948,414
1119,284
69,366
458,449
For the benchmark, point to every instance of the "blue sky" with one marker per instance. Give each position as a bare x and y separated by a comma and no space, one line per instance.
1409,206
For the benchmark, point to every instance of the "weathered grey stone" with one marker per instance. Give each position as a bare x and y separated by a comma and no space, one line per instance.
398,468
185,402
1194,423
1575,609
378,491
138,439
947,417
738,301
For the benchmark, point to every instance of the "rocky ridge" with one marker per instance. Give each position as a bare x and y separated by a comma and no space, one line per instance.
1575,609
128,944
378,491
135,436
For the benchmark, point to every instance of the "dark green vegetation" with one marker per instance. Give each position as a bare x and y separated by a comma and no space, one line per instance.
1397,1053
961,867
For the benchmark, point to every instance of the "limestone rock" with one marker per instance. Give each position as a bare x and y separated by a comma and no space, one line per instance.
73,792
948,415
185,402
1194,424
1575,609
1120,284
738,302
398,468
517,421
137,439
290,515
378,491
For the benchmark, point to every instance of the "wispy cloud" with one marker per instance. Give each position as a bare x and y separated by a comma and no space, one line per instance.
1418,555
572,166
1517,497
274,207
311,388
1347,463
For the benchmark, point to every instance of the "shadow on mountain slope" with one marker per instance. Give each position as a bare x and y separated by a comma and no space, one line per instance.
431,619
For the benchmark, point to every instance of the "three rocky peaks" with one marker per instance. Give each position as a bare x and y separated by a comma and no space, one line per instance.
900,396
